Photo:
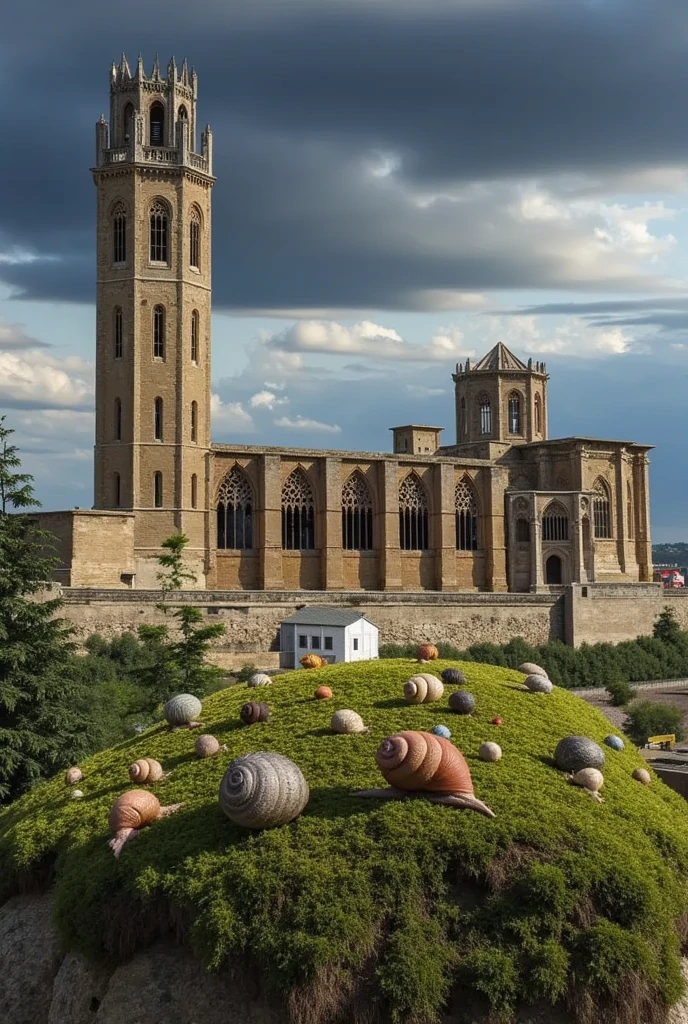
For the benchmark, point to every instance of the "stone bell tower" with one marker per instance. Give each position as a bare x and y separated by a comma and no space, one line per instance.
153,311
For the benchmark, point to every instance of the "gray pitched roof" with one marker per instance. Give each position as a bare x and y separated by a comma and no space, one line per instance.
322,616
499,358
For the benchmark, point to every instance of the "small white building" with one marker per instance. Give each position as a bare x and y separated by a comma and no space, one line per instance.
333,633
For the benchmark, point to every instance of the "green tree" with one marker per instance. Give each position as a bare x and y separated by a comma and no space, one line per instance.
648,718
43,724
666,628
620,691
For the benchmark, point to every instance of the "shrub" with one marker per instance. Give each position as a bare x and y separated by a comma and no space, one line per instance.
648,718
621,692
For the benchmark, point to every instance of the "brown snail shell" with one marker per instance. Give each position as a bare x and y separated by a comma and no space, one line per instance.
72,776
642,775
254,711
132,811
262,790
347,721
423,688
207,746
422,761
146,769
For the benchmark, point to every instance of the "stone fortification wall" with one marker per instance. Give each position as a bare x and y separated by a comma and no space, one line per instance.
612,612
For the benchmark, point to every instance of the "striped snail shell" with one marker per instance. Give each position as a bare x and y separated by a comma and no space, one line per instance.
346,721
133,810
462,702
529,668
259,679
72,776
423,689
427,652
420,761
208,746
539,684
182,709
254,711
453,677
262,790
146,769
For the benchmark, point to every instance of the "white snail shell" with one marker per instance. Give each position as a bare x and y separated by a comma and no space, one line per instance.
259,679
72,776
76,794
423,688
263,790
539,684
490,751
182,709
346,721
529,668
146,769
588,778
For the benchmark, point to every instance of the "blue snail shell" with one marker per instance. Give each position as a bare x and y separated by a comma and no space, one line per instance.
615,742
441,730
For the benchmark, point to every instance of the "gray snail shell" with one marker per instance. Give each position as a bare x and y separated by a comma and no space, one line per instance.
453,677
208,746
539,684
346,721
263,790
423,689
254,711
462,702
529,668
146,769
259,679
576,752
182,709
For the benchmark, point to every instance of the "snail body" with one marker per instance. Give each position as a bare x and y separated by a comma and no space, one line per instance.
529,668
591,781
254,711
642,775
490,751
427,652
347,721
422,764
182,710
263,790
72,776
539,684
259,679
146,769
576,752
132,811
462,702
423,689
322,693
453,677
207,746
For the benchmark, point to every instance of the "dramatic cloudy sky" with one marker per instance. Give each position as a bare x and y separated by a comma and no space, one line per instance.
399,184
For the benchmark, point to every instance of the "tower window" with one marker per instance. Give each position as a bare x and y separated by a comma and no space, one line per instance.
466,515
194,422
357,514
514,413
555,523
538,414
157,419
195,238
117,490
158,232
119,234
194,491
298,513
602,510
119,341
118,419
128,122
158,333
182,115
194,336
485,415
157,124
413,515
157,489
235,512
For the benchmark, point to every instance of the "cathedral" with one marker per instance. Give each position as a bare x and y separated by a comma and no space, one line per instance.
504,508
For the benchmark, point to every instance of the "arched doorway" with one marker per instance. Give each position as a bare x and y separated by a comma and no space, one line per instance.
553,572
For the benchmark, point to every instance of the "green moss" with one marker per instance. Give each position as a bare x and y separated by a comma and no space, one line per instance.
425,902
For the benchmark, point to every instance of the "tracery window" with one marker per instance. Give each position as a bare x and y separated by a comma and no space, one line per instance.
157,489
601,510
159,224
298,513
357,514
629,511
119,234
157,125
157,419
555,522
194,422
195,238
158,333
514,412
413,515
118,419
485,415
194,336
466,510
118,332
538,414
235,512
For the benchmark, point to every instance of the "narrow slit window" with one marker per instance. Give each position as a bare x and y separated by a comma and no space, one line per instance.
194,491
117,490
119,336
158,333
159,226
194,336
195,239
157,489
118,419
119,234
194,422
157,419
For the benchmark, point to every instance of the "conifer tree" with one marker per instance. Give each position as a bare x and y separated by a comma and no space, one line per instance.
43,726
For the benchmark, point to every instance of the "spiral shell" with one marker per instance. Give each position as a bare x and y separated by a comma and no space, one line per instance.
642,775
134,809
427,652
462,702
576,752
419,761
182,709
423,689
262,790
207,746
529,668
259,679
453,677
346,721
615,742
322,693
146,769
254,711
588,778
72,776
539,684
490,751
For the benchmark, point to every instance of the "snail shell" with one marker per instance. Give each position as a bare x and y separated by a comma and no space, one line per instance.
441,730
254,711
453,677
420,761
208,746
72,776
146,769
423,689
462,702
529,668
262,790
588,778
427,652
539,684
490,751
576,752
182,709
76,794
133,810
346,721
642,775
312,661
322,693
615,742
259,679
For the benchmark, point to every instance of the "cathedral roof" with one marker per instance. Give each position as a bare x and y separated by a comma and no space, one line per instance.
499,358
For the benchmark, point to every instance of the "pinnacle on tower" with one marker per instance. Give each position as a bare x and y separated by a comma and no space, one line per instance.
185,72
172,70
140,71
124,71
155,74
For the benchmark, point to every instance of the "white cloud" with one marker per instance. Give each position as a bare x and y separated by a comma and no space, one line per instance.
421,391
302,423
33,378
230,416
13,337
266,400
367,339
573,337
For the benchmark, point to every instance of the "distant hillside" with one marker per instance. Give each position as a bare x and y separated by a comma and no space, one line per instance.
670,553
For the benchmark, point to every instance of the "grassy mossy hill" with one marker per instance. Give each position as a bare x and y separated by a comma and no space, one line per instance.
407,908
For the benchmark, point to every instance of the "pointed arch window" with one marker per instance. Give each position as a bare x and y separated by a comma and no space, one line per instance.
629,511
119,234
195,238
555,522
157,124
158,333
118,333
485,414
157,489
235,512
413,515
157,419
194,491
357,514
601,505
514,412
182,114
117,490
159,231
118,419
194,336
538,414
466,514
194,422
298,513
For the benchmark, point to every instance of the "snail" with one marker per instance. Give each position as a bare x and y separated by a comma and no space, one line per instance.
490,751
259,679
182,710
538,684
346,721
312,661
453,677
76,794
254,711
615,742
423,765
146,769
441,730
130,812
529,668
576,752
322,693
642,775
208,746
427,652
591,780
423,689
462,702
262,790
72,776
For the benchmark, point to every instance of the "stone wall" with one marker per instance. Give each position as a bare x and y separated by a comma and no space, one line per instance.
608,612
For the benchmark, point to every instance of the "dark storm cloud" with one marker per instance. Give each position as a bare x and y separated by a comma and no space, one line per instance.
298,93
668,316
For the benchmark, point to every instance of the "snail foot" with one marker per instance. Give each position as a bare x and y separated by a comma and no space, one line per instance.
187,725
170,809
465,800
595,795
122,836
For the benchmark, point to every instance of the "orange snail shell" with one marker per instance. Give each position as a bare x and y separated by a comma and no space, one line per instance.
420,761
312,661
428,652
134,809
146,769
